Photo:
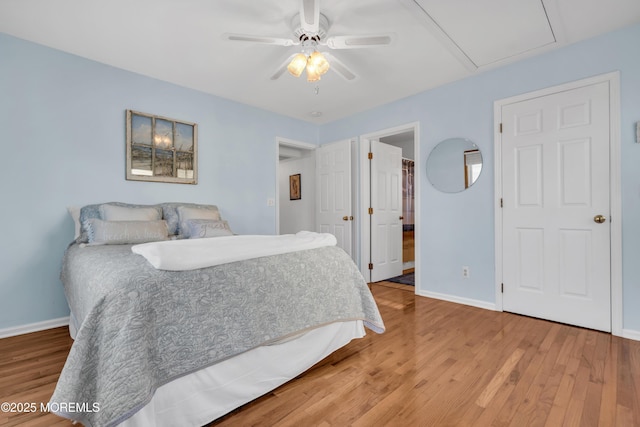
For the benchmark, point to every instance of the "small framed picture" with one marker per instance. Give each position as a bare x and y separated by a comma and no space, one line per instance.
295,192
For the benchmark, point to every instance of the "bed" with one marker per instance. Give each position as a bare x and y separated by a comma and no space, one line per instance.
178,328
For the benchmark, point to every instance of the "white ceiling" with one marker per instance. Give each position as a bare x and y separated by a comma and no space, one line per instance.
436,42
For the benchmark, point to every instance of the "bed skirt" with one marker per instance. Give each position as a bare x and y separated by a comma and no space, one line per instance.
212,392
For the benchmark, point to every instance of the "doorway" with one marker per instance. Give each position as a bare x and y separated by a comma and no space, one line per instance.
405,137
295,160
558,220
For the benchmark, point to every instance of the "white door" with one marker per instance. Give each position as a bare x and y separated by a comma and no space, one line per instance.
386,219
333,195
556,233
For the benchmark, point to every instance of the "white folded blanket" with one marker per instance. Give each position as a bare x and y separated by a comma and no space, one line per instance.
191,254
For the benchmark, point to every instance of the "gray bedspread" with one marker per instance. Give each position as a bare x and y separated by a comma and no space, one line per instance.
141,327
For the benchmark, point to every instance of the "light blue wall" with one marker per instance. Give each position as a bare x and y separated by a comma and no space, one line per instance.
458,229
62,121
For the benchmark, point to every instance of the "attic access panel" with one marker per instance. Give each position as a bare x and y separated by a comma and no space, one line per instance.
492,30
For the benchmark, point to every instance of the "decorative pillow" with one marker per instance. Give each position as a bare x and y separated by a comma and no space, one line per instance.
170,213
124,232
109,212
199,228
186,213
74,211
93,211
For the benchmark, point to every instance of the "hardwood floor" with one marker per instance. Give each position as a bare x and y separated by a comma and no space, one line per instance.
29,369
408,246
438,364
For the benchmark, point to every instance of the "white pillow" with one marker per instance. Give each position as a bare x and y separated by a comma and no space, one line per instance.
125,232
120,213
199,228
74,211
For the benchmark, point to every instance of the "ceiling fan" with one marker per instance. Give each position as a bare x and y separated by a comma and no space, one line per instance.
310,29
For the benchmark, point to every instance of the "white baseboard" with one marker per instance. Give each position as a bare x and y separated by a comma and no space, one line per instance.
34,327
458,300
631,334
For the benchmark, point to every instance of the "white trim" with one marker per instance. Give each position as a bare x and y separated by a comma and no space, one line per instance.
458,300
289,143
417,174
34,327
613,79
295,144
615,159
355,224
364,194
630,334
497,183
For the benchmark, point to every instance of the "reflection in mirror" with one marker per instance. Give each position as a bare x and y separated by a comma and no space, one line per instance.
454,165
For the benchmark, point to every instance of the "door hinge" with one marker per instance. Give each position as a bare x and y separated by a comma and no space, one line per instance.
500,127
370,211
370,266
370,156
500,201
502,288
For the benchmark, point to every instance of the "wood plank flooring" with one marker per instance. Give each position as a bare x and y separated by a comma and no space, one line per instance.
29,369
438,364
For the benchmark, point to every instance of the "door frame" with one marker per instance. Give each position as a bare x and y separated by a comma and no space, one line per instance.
365,185
615,191
305,146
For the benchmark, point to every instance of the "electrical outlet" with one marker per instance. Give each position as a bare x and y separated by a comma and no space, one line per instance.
465,272
271,202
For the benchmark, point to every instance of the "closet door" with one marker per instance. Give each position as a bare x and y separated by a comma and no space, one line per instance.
556,214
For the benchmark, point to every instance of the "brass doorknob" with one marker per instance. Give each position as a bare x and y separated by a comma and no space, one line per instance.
345,218
599,219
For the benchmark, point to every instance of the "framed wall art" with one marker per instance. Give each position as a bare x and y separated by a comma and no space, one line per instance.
160,149
295,190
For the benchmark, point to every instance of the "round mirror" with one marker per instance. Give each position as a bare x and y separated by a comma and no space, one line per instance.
454,165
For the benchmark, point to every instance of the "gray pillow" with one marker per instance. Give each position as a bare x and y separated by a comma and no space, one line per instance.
124,232
93,211
186,213
170,214
199,228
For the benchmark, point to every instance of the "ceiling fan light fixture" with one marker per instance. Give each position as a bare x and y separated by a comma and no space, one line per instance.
312,73
319,63
297,64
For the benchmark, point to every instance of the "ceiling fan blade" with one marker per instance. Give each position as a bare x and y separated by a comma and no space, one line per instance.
339,68
357,42
310,16
260,39
282,68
